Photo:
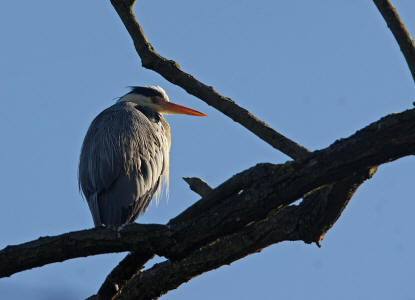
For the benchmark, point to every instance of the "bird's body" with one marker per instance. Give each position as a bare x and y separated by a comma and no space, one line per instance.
125,156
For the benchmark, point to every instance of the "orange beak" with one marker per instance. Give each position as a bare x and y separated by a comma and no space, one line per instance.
176,109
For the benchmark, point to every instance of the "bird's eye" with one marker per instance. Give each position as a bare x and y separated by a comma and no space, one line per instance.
156,100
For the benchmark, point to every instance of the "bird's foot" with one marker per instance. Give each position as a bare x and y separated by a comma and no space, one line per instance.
121,227
116,228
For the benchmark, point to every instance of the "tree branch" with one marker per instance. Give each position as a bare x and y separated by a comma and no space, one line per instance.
401,34
131,265
46,250
170,70
198,185
329,202
265,188
292,223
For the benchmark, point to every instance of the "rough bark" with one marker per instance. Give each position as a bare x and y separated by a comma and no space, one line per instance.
46,250
303,222
251,196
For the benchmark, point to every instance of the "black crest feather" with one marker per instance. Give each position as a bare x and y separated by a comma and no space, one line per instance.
145,91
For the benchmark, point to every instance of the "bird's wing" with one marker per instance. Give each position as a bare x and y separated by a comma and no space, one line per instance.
123,160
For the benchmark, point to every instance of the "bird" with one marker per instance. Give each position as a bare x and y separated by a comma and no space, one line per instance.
125,155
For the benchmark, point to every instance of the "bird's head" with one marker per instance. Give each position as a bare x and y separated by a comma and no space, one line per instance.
155,97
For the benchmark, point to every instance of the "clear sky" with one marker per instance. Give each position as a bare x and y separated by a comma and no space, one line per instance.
316,71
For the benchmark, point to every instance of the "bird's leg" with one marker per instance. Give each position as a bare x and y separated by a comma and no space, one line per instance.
113,228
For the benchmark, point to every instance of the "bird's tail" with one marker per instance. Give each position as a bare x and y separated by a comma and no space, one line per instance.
94,208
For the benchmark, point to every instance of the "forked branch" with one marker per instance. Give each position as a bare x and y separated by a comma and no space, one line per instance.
257,192
171,71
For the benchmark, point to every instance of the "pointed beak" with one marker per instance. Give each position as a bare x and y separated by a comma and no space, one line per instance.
176,109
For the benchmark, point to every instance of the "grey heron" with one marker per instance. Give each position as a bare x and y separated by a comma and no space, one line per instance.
125,155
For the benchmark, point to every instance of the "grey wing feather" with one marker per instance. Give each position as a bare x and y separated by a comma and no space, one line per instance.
124,159
93,206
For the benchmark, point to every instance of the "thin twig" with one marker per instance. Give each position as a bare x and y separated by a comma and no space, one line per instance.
399,31
171,71
198,186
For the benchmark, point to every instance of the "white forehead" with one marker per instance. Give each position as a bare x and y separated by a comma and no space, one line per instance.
160,89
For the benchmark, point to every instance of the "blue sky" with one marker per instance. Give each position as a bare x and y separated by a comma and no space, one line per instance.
314,70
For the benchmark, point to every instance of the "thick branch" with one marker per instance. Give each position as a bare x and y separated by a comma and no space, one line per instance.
129,266
328,203
46,250
134,262
170,70
265,187
401,34
369,139
303,222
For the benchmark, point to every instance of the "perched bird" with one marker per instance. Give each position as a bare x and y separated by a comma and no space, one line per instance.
125,155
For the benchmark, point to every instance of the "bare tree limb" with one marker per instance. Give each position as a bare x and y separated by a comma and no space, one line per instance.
129,266
134,262
329,202
401,34
171,71
46,250
265,187
292,223
198,185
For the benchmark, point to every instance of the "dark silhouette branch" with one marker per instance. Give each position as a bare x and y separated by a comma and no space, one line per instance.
330,201
265,188
134,262
119,276
46,250
399,31
303,222
171,71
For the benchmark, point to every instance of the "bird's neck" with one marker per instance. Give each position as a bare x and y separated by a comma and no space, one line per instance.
152,115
